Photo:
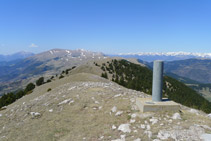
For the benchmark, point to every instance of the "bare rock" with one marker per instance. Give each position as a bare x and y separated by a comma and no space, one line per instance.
176,116
125,128
114,109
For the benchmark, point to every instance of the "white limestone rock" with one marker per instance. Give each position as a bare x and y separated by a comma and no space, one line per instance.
143,126
132,121
65,101
149,133
206,137
133,115
51,110
113,127
125,128
194,111
138,139
118,113
114,109
153,121
176,116
35,114
148,127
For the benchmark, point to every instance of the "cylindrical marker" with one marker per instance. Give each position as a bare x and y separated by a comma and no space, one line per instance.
157,84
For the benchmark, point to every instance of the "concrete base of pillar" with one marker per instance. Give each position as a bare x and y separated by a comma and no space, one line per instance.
147,105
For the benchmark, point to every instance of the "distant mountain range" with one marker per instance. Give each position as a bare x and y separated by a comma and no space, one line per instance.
44,64
169,56
15,56
189,70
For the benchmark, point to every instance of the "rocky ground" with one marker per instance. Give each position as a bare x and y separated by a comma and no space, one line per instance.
88,107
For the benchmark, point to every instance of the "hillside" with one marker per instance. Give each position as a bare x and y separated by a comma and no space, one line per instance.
137,77
84,106
15,56
195,69
44,64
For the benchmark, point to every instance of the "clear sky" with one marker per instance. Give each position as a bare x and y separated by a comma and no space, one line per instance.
109,26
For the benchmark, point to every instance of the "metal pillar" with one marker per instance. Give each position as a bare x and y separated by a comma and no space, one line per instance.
157,83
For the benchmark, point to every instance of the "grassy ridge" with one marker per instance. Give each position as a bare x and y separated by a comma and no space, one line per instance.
136,77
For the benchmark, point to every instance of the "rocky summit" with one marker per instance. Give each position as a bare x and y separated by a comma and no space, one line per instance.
84,106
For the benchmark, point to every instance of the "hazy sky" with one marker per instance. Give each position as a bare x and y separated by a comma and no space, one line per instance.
109,26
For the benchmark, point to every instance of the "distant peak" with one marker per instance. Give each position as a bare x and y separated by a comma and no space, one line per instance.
180,53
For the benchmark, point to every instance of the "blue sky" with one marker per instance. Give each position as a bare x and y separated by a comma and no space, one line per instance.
109,26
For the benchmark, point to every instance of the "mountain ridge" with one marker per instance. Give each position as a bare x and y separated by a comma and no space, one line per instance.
168,56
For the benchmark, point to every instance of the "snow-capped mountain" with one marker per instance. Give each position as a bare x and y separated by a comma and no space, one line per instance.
168,56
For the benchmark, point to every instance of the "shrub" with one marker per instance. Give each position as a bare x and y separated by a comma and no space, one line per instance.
40,81
29,87
61,76
49,89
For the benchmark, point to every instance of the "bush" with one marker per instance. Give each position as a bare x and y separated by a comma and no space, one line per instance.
40,81
48,81
29,87
61,76
49,89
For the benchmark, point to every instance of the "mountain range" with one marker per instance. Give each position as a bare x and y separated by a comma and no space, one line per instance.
43,64
15,56
169,56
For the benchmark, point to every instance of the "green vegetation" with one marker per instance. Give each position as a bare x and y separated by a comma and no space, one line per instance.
40,81
136,77
29,87
9,98
105,75
61,76
49,89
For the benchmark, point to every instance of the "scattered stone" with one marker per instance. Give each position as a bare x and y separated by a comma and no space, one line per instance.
194,111
114,109
163,135
138,139
135,131
65,101
118,113
133,115
113,127
122,138
209,115
132,100
35,114
51,110
117,95
125,128
143,126
156,140
0,115
101,137
72,88
153,121
206,137
148,127
149,133
132,121
96,102
146,115
176,116
100,107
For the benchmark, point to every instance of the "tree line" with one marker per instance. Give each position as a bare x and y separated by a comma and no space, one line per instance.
139,78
